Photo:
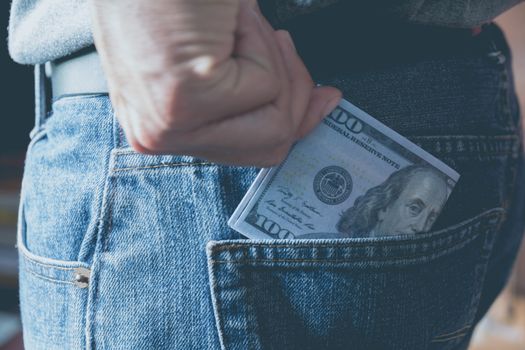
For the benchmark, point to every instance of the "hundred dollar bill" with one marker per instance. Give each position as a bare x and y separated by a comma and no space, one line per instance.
351,177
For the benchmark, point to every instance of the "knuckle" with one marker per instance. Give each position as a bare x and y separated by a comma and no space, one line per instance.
175,121
174,112
269,86
138,146
148,142
267,76
137,140
146,145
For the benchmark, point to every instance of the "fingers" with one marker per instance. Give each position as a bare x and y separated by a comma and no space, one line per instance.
323,100
268,34
308,105
253,132
255,58
258,74
300,81
130,124
267,103
249,78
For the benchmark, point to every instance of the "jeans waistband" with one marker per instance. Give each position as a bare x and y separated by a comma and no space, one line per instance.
81,72
333,46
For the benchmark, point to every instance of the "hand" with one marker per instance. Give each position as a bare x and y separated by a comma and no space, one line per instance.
206,78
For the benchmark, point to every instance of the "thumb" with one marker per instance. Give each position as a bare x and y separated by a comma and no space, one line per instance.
322,102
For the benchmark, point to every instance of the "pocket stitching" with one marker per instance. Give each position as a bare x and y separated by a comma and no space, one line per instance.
35,138
430,249
452,335
32,260
43,262
448,339
62,265
486,147
343,261
462,332
46,278
164,165
124,159
490,214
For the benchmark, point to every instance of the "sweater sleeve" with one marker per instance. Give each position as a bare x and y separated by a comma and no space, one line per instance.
43,30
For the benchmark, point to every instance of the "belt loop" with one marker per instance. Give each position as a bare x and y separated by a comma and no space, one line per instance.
40,98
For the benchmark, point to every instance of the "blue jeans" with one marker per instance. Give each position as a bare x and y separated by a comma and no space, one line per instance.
120,250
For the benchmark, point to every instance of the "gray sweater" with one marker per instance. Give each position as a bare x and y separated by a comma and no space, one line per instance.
44,30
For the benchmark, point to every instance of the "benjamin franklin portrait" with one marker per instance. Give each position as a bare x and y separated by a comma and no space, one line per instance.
407,202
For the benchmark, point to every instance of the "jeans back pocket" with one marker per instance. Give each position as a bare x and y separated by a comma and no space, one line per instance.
412,292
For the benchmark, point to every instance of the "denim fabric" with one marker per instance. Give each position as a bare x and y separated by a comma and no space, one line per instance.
120,250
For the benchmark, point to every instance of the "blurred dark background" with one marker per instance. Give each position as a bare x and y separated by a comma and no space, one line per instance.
17,90
16,86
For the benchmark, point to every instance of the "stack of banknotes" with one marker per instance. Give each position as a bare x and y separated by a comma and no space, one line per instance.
351,177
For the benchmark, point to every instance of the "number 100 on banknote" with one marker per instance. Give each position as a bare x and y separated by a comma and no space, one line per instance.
351,177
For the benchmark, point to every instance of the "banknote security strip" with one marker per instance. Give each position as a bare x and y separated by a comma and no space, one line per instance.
351,177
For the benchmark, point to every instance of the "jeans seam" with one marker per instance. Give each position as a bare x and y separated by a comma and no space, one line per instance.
33,261
214,291
460,335
78,96
46,278
505,89
164,165
120,136
439,251
342,261
456,332
124,152
103,232
428,142
109,225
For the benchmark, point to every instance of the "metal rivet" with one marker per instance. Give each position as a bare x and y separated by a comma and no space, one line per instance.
81,278
498,56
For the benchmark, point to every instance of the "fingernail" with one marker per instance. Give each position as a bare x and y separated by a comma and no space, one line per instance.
290,40
331,105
